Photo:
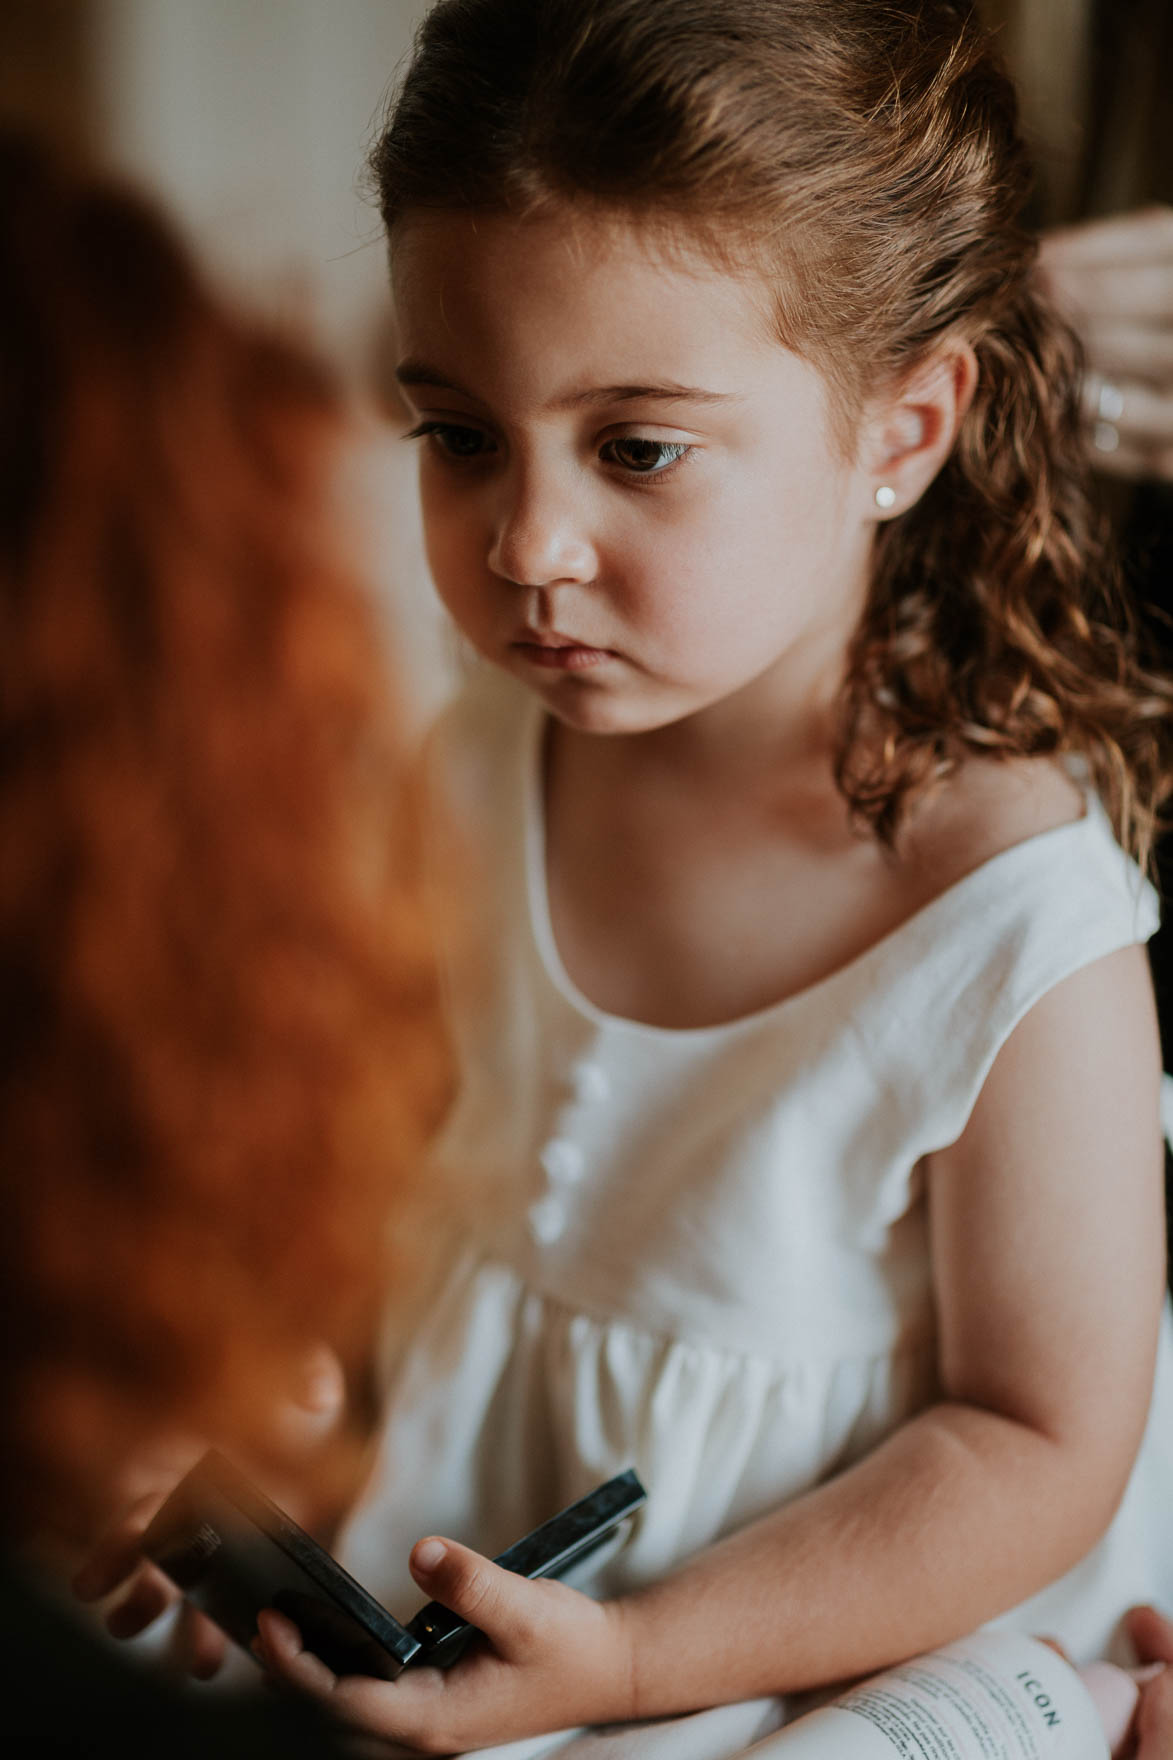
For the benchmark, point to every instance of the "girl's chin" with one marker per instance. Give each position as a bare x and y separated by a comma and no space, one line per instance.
600,712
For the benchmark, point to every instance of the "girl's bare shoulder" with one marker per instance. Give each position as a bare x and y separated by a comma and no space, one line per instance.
987,806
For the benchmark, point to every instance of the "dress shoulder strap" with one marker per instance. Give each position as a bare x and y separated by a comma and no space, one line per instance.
955,982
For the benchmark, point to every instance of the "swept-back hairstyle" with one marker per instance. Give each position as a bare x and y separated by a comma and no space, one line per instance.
219,1040
865,155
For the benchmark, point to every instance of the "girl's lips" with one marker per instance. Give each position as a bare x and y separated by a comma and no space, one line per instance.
561,656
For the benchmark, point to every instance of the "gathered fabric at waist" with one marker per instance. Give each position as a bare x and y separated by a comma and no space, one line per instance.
512,1401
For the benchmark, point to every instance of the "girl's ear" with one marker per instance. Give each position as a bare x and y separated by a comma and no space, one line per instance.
911,429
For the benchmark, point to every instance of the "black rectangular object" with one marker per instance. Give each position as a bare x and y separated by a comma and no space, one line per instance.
233,1552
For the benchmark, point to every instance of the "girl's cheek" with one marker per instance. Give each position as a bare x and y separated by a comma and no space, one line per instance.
447,568
454,585
451,531
455,525
435,507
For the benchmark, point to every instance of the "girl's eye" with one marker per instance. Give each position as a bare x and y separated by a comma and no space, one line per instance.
452,440
648,458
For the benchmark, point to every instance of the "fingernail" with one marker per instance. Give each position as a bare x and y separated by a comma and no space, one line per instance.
1150,1671
428,1554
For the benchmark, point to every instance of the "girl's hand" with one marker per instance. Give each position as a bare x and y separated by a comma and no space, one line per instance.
551,1658
1113,281
116,1567
1152,1638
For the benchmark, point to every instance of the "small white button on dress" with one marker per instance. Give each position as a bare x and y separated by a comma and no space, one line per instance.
591,1083
547,1219
562,1161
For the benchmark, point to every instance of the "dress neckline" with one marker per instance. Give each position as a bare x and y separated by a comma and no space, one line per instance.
1092,822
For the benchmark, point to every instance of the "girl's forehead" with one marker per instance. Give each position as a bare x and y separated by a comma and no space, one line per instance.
563,239
572,282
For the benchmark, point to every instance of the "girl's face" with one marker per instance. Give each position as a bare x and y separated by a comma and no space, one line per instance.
633,497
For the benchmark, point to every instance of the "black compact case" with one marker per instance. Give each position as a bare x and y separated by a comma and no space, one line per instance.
232,1552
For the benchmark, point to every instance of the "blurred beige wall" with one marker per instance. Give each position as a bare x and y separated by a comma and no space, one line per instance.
251,120
254,117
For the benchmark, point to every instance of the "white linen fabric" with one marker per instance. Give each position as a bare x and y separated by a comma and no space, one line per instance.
702,1252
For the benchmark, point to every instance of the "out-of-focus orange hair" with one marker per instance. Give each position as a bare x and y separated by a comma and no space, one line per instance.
220,1051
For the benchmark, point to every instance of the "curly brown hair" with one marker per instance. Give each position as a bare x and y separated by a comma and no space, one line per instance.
220,1047
865,155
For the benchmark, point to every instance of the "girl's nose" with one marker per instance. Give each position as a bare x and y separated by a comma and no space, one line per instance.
539,538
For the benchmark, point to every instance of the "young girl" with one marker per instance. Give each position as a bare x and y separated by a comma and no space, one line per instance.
808,1155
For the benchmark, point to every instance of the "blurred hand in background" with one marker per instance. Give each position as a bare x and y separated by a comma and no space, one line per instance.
1113,280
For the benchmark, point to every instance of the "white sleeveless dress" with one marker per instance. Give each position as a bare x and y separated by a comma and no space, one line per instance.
702,1252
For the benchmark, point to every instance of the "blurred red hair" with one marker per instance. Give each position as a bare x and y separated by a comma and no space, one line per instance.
220,1051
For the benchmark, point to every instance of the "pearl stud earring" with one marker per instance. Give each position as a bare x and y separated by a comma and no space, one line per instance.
885,496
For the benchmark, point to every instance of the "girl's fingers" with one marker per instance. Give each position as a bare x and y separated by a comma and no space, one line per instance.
280,1648
117,1554
198,1647
424,1706
108,1568
402,1710
150,1477
1151,1634
1154,1720
496,1601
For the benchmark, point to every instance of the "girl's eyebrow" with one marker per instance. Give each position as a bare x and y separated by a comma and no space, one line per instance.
666,392
411,372
415,372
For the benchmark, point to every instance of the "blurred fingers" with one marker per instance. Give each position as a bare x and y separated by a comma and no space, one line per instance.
1130,427
116,1555
1151,1633
153,1475
1131,351
198,1647
1154,1719
1146,418
279,1647
404,1710
149,1595
1138,293
498,1602
1143,235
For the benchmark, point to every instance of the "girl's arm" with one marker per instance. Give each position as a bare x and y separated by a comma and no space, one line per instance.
1048,1246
